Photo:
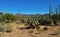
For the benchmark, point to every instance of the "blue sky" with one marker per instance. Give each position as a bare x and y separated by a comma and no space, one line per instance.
27,6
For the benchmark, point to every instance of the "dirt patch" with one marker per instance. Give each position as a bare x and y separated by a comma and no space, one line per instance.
34,32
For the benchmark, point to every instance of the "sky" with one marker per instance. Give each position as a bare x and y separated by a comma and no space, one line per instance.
28,6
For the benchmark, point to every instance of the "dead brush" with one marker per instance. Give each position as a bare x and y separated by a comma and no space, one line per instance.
1,28
8,28
56,32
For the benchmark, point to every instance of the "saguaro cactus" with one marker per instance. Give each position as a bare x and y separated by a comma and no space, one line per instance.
59,11
50,12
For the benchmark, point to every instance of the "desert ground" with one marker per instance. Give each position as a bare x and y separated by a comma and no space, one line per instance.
53,31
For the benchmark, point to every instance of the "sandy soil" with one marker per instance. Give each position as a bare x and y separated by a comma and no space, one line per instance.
32,33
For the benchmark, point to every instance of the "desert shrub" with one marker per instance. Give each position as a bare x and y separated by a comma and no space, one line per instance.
8,16
34,24
1,29
31,23
22,21
8,28
44,22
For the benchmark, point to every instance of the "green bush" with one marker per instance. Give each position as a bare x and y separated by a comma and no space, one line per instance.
8,16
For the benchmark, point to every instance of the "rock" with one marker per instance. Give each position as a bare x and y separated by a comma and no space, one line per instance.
45,28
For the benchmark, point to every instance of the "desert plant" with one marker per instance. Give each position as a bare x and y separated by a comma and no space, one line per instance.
1,28
8,28
44,22
50,12
31,24
8,16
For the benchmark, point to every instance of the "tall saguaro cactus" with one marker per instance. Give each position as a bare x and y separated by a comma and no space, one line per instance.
50,12
59,9
56,17
56,14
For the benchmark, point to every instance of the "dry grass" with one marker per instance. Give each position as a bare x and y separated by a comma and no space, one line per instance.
31,32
